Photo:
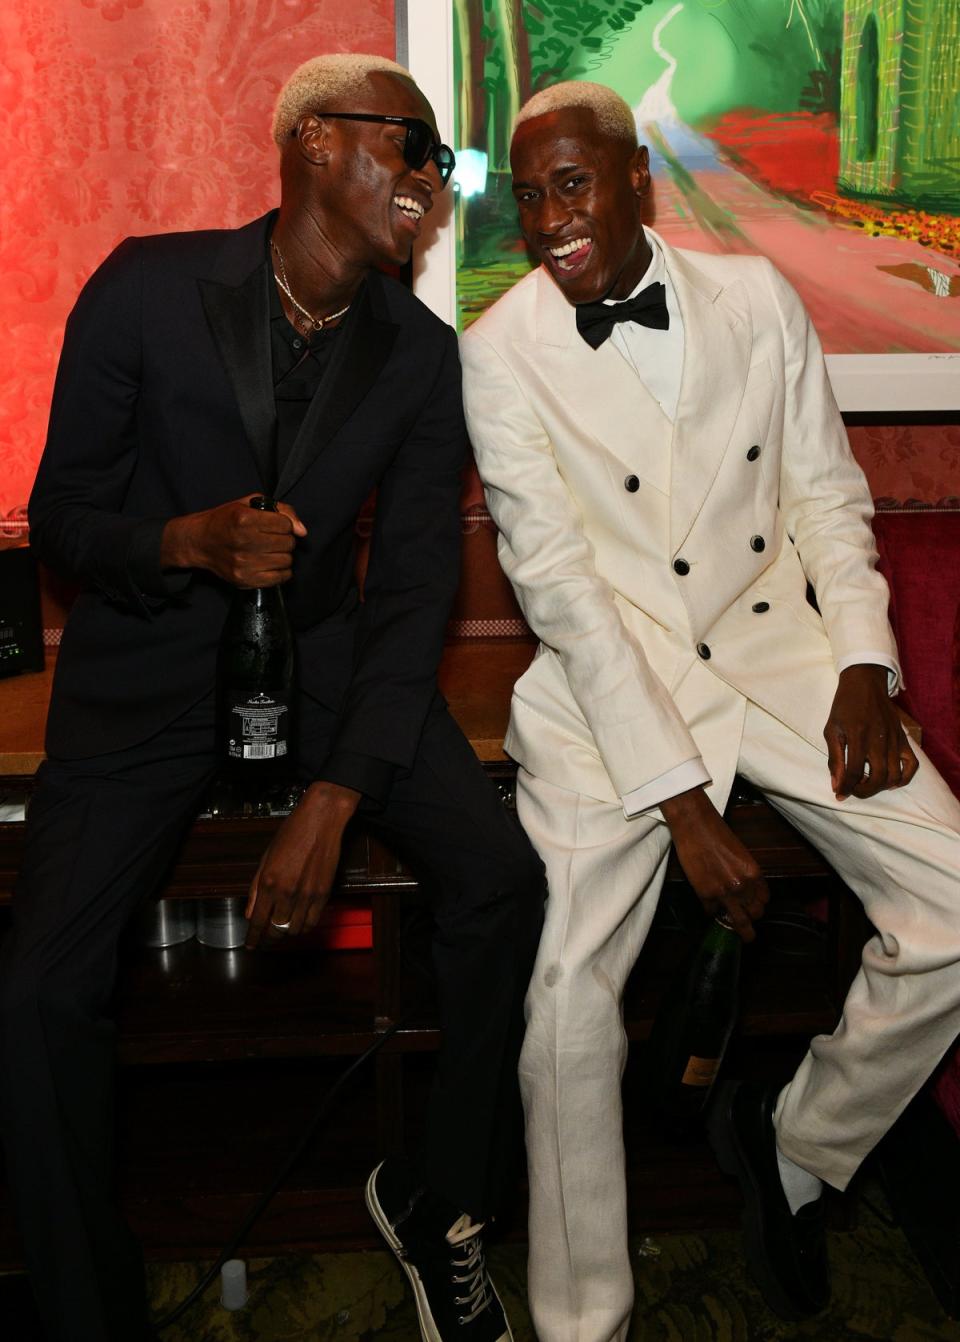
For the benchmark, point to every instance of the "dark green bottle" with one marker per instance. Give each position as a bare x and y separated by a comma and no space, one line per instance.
255,699
693,1025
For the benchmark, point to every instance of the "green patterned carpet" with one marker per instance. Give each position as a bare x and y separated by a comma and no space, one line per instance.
690,1288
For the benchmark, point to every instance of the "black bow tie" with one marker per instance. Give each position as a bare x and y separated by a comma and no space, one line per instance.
595,321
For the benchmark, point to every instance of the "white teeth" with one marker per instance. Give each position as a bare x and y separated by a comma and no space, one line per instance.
410,207
568,247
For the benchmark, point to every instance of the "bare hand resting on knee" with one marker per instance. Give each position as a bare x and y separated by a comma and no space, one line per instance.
724,875
868,748
296,873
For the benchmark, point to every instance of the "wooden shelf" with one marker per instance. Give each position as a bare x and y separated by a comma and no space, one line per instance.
195,1003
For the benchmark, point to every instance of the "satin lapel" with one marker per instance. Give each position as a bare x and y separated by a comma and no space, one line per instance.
717,339
600,390
359,354
239,319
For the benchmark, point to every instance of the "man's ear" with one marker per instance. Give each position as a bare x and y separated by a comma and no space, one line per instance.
640,171
312,135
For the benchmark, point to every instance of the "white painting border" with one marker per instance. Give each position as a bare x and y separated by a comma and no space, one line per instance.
861,382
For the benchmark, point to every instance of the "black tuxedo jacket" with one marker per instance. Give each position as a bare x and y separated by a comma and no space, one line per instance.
164,405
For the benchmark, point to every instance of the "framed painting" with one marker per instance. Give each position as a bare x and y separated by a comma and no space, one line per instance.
824,134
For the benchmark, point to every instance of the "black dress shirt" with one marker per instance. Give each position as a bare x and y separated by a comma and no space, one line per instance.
299,363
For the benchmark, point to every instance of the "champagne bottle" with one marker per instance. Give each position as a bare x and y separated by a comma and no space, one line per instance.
693,1025
255,687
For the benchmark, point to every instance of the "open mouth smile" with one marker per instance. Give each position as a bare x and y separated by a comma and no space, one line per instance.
411,209
570,257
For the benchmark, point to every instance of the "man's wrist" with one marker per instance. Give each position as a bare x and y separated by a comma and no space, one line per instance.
176,544
336,797
685,808
865,671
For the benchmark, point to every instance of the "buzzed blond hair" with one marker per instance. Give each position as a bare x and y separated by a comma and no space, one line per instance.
320,81
613,115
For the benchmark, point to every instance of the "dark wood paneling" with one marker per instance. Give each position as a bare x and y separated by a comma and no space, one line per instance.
226,1054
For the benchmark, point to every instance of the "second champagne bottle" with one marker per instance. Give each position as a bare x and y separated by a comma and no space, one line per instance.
693,1026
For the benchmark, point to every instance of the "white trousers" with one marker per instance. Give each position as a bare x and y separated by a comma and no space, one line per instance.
899,851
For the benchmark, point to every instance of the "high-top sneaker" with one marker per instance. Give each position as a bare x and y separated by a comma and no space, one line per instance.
441,1251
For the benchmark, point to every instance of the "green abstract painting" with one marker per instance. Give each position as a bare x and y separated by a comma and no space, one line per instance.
823,134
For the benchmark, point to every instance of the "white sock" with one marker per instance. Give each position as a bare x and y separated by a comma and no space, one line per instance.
799,1185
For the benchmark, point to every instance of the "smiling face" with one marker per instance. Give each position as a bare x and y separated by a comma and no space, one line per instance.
372,201
579,192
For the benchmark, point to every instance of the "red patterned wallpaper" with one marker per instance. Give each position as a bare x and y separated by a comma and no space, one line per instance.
131,116
910,462
120,116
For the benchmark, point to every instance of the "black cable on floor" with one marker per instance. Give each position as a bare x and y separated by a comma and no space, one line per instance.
265,1198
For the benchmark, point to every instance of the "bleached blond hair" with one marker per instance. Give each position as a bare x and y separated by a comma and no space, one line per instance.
318,82
613,115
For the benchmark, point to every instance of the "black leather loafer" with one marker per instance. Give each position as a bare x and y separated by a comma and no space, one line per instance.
786,1253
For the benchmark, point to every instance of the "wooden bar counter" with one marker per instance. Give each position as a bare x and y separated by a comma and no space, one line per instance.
226,1050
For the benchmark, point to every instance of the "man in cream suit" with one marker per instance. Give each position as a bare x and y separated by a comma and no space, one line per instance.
666,477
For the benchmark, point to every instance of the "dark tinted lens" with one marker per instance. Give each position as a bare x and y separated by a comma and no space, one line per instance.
445,160
418,144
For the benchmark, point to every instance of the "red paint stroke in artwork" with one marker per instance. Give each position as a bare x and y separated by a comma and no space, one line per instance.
791,153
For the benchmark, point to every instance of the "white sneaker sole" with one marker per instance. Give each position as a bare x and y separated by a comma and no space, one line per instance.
428,1328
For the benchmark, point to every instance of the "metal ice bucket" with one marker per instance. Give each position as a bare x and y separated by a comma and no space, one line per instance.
220,922
167,922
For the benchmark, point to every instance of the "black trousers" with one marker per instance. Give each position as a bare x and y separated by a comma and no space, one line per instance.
101,835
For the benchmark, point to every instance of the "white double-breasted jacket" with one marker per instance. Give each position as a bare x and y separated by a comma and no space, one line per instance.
639,547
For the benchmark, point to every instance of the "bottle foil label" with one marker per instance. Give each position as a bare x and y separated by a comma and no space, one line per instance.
258,727
700,1071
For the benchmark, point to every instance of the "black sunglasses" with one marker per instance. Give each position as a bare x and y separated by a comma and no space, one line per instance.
419,144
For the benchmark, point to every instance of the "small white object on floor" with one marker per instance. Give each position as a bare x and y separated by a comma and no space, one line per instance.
233,1284
799,1185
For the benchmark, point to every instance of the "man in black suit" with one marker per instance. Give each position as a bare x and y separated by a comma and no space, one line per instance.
198,370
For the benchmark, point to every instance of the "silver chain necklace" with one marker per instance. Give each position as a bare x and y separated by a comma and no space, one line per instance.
312,322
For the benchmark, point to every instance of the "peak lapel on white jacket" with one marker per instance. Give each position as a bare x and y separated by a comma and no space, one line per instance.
603,395
717,341
611,404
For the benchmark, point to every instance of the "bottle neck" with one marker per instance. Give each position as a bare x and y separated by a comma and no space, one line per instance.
259,598
720,933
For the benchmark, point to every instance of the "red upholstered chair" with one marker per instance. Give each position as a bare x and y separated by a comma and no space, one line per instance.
920,558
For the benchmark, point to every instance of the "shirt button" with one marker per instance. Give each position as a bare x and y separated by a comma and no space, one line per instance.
681,566
757,543
704,651
631,484
753,453
759,607
298,343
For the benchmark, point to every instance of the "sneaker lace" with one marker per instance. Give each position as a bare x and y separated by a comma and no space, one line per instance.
471,1269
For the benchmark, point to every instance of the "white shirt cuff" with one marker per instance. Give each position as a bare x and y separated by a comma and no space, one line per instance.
681,778
873,659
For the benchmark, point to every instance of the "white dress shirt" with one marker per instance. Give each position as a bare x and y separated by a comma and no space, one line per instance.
659,354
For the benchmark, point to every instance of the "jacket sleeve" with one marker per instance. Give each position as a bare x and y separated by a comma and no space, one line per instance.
635,724
411,581
824,496
77,525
